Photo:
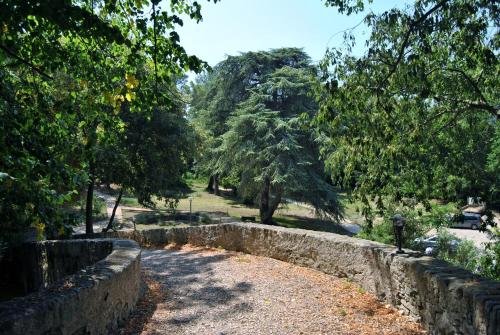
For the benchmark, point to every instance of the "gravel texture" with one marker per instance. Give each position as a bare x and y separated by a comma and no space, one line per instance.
206,291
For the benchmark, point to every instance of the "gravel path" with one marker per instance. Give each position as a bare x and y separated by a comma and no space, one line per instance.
200,291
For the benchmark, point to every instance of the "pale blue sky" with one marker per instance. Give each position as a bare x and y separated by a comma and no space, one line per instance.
233,26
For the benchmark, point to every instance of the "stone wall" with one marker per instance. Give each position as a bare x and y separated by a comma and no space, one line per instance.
446,299
92,300
32,266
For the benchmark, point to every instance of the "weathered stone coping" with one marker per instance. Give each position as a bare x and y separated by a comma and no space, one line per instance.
446,299
94,300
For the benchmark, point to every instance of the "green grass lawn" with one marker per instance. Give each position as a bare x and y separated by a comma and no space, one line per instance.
129,201
291,215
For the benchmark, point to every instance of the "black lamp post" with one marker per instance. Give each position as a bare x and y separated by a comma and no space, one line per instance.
398,222
190,208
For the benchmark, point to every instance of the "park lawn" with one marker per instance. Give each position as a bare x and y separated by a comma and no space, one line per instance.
202,201
291,215
130,202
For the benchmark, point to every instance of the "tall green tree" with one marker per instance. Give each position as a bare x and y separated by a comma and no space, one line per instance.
414,117
267,147
218,94
150,155
66,68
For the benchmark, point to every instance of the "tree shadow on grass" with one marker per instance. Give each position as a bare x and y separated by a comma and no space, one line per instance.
233,200
181,287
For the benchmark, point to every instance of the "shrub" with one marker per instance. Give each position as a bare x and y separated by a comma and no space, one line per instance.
463,254
384,232
439,215
204,218
99,206
489,263
468,256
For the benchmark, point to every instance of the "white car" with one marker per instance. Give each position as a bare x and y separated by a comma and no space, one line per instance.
430,243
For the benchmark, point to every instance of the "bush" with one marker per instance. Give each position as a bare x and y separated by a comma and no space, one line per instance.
98,208
464,254
468,256
444,245
204,218
439,215
489,263
384,232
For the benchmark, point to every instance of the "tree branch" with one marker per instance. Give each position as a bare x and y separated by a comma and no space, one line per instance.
25,62
471,82
413,25
478,105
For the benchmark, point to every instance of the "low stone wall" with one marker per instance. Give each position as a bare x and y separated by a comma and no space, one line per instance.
101,292
37,265
446,299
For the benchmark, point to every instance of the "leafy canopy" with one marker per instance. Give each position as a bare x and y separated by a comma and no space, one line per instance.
414,117
67,70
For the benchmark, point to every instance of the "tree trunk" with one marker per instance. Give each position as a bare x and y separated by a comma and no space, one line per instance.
110,223
89,224
210,187
268,204
216,184
264,203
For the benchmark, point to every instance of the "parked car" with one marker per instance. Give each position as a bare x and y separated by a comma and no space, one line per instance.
430,244
466,220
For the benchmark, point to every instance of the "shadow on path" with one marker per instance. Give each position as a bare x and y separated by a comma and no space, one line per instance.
180,287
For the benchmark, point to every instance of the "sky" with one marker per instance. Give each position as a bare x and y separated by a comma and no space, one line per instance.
233,26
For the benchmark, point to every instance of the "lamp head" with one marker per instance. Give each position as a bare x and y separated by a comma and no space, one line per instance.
398,220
